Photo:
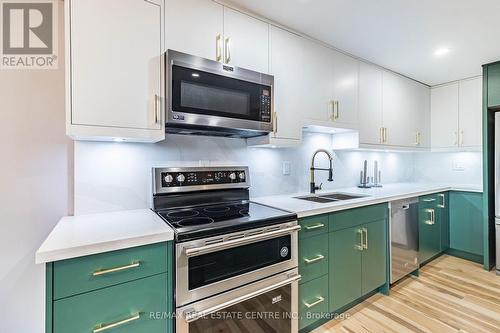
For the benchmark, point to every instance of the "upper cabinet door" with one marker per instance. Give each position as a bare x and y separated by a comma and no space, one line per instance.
370,104
444,116
317,101
421,111
398,111
287,67
195,27
115,64
246,41
345,88
470,112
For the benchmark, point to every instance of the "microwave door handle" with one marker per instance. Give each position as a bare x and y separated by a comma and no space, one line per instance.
191,316
196,251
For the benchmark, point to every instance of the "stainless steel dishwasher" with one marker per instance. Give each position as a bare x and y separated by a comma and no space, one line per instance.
404,237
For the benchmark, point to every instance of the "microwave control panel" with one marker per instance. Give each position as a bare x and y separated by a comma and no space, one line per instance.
265,104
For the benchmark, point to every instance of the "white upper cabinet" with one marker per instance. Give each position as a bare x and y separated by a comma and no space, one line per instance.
114,82
370,104
195,27
345,89
456,115
287,68
398,117
246,41
209,30
420,109
317,100
470,112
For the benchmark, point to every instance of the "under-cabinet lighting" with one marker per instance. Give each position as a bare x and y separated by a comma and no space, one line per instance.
195,75
118,139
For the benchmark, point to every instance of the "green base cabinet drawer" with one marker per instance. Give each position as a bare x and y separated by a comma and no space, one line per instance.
125,308
80,275
313,301
313,257
313,226
357,216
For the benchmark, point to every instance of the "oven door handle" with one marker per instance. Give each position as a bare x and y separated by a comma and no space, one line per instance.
190,316
196,251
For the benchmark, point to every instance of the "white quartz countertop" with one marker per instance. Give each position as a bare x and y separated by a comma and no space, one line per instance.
76,236
372,196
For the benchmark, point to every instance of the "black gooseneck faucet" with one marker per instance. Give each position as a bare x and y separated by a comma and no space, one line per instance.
330,169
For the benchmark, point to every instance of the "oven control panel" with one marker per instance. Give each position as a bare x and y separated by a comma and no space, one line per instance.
179,178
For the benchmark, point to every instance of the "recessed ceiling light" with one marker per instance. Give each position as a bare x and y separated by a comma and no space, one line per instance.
441,52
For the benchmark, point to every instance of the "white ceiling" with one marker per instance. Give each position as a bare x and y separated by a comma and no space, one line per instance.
400,35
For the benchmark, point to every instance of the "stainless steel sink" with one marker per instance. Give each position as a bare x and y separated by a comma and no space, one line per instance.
330,197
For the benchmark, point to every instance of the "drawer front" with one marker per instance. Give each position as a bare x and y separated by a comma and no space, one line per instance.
79,275
313,226
313,257
127,307
357,216
313,301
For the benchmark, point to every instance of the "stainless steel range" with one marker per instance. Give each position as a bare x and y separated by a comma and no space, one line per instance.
236,261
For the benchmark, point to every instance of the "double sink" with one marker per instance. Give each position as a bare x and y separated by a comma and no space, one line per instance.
330,197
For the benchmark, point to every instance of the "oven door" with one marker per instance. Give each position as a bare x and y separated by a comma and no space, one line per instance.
208,93
266,306
213,265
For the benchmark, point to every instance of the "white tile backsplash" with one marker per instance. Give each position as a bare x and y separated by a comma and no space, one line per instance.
112,176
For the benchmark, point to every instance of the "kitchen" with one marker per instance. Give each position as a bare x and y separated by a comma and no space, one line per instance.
267,166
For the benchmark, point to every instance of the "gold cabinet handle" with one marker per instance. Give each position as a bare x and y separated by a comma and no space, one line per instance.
417,138
275,122
337,110
461,138
381,135
360,246
157,109
443,201
105,327
317,258
332,109
218,48
116,269
385,134
314,226
319,300
365,243
431,220
227,50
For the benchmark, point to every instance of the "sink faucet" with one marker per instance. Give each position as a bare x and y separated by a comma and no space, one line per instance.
330,169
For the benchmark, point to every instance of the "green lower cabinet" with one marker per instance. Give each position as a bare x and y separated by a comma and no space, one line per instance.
466,222
374,256
126,308
313,301
429,228
345,267
443,211
313,257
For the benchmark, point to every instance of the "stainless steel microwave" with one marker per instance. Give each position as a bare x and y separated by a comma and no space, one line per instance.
207,97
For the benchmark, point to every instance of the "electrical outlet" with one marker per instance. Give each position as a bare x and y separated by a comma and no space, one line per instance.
458,166
286,168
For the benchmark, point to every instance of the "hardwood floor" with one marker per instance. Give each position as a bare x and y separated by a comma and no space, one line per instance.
451,295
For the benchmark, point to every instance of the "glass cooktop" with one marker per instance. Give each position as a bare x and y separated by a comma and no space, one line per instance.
210,220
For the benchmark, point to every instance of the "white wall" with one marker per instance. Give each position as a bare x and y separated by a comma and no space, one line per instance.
113,176
35,186
455,168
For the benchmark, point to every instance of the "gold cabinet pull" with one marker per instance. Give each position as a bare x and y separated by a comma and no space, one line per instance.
461,138
443,201
275,122
218,48
105,327
337,111
116,269
385,134
314,226
360,246
227,50
317,258
417,138
332,110
431,220
365,243
319,300
157,109
381,134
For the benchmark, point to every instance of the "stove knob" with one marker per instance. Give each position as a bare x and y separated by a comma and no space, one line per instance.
181,178
242,175
232,176
168,178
